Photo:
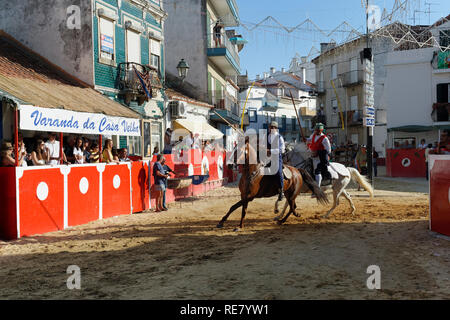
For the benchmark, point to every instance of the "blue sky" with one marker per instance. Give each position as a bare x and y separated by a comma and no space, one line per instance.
270,46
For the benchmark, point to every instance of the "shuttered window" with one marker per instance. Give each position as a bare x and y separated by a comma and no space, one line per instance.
133,47
155,53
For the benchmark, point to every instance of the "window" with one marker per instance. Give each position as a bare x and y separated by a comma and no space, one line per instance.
353,103
294,124
134,144
283,122
133,47
252,116
443,93
156,135
155,53
106,31
355,138
333,71
444,38
334,105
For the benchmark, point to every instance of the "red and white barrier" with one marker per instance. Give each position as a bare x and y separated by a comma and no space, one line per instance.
405,163
439,166
37,200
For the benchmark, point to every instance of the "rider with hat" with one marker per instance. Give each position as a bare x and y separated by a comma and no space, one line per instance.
276,147
320,146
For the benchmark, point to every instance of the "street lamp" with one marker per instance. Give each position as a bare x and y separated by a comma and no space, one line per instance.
183,69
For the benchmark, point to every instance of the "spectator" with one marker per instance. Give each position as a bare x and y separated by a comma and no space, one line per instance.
94,153
86,150
108,156
168,141
167,171
52,147
197,143
374,162
123,155
115,154
155,151
39,156
6,155
217,34
428,150
68,150
423,144
78,153
190,141
23,153
160,176
361,162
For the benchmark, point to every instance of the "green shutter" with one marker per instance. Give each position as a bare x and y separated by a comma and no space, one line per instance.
218,90
209,82
208,28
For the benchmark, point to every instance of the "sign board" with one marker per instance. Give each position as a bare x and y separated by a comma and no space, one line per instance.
369,112
369,122
60,120
107,44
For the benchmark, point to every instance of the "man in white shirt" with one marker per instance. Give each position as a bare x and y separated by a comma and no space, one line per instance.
52,146
276,148
320,146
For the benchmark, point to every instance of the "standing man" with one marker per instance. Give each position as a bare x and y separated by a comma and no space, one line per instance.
167,171
276,147
52,146
160,185
320,146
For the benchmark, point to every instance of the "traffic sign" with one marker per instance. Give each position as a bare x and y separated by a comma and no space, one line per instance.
369,122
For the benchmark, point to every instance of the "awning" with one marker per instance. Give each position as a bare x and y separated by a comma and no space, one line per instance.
204,129
412,128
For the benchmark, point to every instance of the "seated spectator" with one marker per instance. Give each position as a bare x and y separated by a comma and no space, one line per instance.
6,152
422,145
68,150
23,153
78,151
123,155
86,150
39,156
155,151
94,153
115,154
108,156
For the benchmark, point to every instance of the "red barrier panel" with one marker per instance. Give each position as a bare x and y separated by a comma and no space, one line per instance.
405,163
116,190
83,198
8,214
140,186
41,201
440,197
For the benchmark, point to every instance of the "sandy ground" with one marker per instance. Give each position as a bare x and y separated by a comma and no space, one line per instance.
180,254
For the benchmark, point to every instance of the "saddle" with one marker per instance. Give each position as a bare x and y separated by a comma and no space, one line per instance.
287,174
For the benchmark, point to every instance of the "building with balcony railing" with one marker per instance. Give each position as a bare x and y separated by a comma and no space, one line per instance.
114,43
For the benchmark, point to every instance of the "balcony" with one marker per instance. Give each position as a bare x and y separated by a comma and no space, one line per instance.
228,10
224,54
352,78
321,87
130,86
441,112
351,118
307,112
226,105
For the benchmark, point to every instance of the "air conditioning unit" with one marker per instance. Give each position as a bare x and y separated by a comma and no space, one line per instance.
177,109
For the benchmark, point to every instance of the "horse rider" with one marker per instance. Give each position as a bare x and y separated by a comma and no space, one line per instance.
320,146
276,146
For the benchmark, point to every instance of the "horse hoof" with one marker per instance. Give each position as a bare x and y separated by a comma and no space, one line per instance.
237,229
220,226
276,211
296,214
280,222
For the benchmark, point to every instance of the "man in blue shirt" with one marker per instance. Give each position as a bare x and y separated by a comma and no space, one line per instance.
160,186
167,171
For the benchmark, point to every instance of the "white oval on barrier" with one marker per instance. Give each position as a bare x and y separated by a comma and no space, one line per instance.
220,167
84,185
190,170
42,191
205,166
406,162
116,181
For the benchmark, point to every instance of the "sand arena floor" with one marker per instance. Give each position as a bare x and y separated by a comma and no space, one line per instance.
180,254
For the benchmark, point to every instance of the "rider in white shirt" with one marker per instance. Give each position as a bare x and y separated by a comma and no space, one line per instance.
276,146
320,146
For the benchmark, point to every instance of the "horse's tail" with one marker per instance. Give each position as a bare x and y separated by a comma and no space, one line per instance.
314,187
361,180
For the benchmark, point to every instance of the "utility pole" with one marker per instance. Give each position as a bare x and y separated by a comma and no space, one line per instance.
369,122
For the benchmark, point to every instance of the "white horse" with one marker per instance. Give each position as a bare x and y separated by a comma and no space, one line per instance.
341,176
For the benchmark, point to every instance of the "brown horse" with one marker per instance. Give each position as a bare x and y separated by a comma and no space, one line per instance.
253,185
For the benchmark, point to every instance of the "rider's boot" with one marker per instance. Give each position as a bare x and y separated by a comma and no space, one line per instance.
280,194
